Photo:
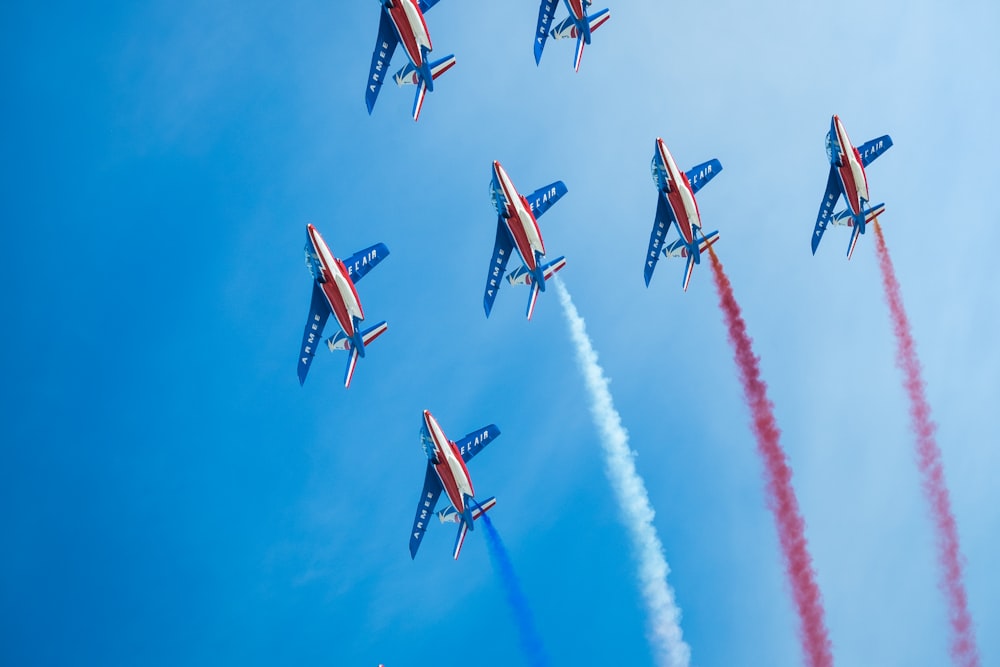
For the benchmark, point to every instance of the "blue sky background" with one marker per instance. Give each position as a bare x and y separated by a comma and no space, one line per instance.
170,495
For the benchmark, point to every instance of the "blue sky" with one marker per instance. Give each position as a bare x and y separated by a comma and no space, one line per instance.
170,495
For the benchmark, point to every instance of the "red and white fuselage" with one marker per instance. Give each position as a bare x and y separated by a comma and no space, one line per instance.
576,9
411,28
450,466
679,195
337,286
520,220
852,173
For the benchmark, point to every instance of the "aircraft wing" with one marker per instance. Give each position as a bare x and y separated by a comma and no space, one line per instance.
363,261
474,442
498,264
425,508
699,175
546,11
830,199
543,198
427,4
661,225
872,149
385,45
319,311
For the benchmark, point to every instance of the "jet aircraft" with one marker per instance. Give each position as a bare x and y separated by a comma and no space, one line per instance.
446,472
848,178
334,291
675,204
578,25
403,21
517,227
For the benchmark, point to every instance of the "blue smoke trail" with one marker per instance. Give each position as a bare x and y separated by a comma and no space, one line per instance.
531,642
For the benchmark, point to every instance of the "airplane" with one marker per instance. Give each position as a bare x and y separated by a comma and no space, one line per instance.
517,227
334,291
578,25
675,204
848,178
446,471
403,21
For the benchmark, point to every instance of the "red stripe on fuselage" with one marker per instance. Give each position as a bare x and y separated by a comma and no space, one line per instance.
576,8
517,230
407,31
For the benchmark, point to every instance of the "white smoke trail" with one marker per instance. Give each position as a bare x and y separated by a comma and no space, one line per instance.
664,630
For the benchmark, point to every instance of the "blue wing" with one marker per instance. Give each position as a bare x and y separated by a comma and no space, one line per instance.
545,13
830,199
425,508
543,198
473,443
661,225
319,311
872,149
385,45
360,263
498,264
427,4
701,174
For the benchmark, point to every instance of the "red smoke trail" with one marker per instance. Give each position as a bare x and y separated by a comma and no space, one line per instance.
963,641
781,495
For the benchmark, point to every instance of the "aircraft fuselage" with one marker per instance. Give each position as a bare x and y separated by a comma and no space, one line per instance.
520,220
853,179
679,196
337,286
450,466
411,29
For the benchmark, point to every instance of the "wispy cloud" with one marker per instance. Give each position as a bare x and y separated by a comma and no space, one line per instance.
669,647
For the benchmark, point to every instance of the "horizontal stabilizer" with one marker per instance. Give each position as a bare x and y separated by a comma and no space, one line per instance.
846,219
450,515
411,75
679,249
523,276
340,341
566,29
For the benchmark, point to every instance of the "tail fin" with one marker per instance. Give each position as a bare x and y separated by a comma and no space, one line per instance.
341,341
411,75
418,101
463,523
352,363
532,298
688,270
580,42
855,233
